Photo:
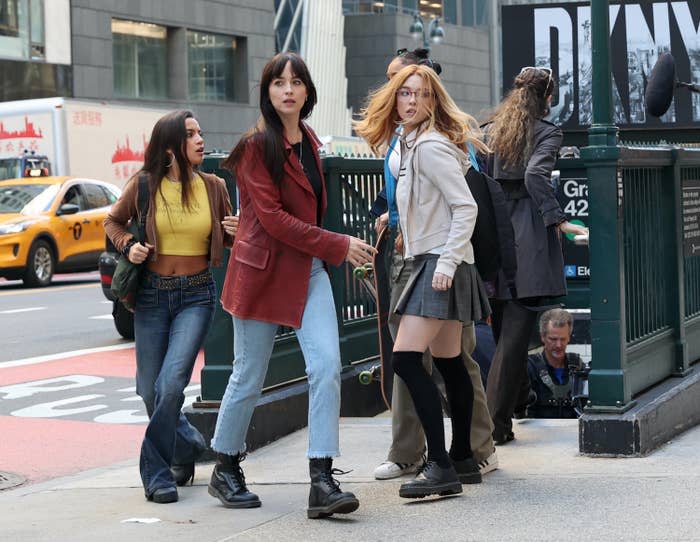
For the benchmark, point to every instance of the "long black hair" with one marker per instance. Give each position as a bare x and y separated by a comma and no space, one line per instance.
269,131
167,144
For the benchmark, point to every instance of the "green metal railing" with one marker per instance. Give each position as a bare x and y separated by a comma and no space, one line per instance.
645,294
352,184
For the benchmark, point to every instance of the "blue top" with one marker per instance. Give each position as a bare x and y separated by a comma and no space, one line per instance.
386,200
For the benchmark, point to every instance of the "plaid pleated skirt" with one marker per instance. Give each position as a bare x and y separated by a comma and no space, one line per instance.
465,301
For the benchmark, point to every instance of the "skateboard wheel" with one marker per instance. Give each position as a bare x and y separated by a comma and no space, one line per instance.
366,377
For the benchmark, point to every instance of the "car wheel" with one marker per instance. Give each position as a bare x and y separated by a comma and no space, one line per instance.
123,320
41,265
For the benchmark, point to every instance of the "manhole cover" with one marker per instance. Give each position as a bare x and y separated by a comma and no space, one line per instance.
8,480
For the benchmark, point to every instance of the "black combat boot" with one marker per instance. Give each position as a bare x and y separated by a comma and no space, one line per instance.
432,480
325,497
228,483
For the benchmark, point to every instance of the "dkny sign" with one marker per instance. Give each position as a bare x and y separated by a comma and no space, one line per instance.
559,35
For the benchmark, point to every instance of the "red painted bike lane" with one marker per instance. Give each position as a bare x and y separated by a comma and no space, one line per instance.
73,414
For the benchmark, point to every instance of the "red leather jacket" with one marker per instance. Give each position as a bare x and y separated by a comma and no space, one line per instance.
268,273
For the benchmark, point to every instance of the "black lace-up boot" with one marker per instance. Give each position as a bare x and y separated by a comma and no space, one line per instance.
325,497
432,479
228,483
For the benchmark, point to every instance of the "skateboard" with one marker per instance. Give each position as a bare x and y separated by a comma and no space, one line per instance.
374,277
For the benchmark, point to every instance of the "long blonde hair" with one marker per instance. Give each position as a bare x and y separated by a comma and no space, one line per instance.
379,119
511,131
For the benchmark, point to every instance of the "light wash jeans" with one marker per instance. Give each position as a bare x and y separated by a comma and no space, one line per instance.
169,327
253,342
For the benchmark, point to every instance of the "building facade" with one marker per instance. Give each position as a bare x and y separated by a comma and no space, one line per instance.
374,31
207,55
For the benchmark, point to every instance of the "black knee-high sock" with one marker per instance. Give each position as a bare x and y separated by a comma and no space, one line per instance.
460,394
426,399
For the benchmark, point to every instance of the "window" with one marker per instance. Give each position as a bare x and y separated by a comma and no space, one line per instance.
430,8
450,11
211,67
8,18
95,197
372,6
474,13
111,196
36,28
140,57
22,29
284,32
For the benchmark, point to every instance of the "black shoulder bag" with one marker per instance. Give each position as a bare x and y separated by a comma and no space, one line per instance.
125,280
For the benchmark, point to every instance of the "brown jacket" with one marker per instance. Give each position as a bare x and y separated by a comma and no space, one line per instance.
126,207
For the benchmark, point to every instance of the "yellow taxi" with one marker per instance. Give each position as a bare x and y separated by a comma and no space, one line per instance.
52,225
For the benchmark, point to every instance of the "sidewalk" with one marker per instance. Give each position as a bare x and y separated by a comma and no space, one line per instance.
543,491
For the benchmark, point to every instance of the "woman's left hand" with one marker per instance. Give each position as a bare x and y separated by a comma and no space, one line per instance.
568,227
441,282
230,224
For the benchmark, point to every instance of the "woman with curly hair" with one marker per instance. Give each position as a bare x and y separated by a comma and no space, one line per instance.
437,214
525,148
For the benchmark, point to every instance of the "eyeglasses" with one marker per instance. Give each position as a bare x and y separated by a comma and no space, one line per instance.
401,52
548,71
406,94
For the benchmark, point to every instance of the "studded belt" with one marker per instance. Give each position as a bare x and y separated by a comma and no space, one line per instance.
163,282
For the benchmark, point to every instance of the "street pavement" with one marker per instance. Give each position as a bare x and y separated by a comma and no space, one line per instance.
63,414
543,490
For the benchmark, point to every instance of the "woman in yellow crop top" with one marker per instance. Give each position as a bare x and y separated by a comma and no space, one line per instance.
188,222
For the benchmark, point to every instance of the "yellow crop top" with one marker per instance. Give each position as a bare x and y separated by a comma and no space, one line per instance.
182,231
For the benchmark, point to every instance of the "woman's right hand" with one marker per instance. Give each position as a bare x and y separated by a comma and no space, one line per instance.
138,252
359,252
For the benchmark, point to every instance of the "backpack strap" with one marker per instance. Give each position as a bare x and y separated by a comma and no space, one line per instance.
143,197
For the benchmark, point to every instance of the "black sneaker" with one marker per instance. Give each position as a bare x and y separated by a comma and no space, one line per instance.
503,438
520,411
432,479
467,470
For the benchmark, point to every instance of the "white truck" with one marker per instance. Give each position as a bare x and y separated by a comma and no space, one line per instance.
96,140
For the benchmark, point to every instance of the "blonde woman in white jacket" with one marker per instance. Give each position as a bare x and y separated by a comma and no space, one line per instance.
437,214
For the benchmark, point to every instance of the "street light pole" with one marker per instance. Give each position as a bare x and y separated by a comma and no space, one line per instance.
436,33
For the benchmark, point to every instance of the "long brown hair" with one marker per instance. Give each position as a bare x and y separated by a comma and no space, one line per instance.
512,125
169,135
379,118
268,132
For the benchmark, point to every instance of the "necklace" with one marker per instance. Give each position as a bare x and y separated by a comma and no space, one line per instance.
301,153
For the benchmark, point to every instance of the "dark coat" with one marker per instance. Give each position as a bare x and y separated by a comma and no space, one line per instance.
535,213
268,274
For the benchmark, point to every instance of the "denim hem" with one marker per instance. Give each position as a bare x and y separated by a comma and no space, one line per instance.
321,455
226,452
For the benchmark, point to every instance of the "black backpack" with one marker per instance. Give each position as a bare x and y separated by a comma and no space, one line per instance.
493,238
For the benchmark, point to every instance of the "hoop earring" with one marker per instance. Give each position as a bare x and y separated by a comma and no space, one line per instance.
172,159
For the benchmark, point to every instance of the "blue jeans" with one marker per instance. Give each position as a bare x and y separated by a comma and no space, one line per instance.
253,342
170,326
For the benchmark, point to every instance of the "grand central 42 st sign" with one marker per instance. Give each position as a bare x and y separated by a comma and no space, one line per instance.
559,35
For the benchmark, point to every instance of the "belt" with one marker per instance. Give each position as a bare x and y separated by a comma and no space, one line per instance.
163,282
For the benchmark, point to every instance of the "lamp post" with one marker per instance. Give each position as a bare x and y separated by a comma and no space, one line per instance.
436,33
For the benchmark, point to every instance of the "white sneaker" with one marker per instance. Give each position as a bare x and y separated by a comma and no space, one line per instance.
389,469
489,464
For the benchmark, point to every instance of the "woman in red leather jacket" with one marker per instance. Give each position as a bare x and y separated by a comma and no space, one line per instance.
276,276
